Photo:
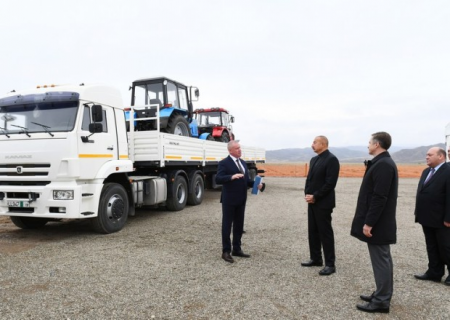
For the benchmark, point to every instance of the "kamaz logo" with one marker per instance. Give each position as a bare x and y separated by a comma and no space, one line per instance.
174,143
25,156
19,170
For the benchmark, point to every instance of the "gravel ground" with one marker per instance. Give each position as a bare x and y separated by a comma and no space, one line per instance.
167,265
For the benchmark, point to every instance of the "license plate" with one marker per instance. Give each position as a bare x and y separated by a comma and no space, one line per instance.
19,204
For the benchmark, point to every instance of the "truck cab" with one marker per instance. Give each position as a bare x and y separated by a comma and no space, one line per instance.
59,147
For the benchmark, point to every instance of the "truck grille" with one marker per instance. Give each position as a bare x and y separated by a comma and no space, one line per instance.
24,169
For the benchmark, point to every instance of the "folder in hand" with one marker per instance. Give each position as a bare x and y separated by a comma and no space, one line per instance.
258,181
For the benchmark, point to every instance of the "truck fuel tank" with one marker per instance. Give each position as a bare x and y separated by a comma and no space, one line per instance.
148,190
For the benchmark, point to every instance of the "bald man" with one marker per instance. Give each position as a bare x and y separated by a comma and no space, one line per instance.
433,213
319,194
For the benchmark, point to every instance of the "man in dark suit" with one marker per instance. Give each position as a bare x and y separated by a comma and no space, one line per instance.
232,174
375,221
320,196
433,213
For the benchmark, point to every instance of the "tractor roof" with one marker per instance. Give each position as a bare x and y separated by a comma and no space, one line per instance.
155,79
210,110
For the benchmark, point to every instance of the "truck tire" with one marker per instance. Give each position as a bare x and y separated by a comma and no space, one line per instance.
252,174
178,194
112,209
29,222
224,137
196,190
178,125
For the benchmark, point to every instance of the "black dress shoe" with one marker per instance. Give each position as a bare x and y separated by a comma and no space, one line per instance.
366,298
447,281
426,277
227,257
240,253
327,271
371,307
312,263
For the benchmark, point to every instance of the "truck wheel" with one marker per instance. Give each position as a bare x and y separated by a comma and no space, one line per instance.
112,209
197,190
177,195
29,222
224,137
178,125
252,174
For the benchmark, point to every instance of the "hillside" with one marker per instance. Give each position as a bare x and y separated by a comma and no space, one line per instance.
348,155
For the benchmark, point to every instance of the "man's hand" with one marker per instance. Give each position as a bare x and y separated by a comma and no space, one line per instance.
447,224
310,198
367,230
237,176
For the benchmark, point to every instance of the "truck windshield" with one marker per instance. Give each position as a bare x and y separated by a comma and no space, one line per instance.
38,117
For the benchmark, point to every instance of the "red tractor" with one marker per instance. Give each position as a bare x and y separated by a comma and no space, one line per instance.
214,124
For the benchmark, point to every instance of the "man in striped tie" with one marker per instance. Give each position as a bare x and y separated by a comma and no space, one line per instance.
433,213
232,174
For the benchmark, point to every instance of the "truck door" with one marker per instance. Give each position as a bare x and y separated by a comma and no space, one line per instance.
101,147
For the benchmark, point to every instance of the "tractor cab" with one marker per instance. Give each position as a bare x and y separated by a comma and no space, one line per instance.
214,124
171,98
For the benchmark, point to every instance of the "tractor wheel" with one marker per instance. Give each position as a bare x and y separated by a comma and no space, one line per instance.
112,209
224,137
178,125
29,222
210,138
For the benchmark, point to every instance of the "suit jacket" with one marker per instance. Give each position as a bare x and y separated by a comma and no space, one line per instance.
234,192
433,199
322,178
377,202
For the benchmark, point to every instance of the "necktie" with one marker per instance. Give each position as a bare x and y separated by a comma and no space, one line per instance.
429,176
239,166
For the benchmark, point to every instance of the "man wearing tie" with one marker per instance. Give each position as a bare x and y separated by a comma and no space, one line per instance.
232,174
433,213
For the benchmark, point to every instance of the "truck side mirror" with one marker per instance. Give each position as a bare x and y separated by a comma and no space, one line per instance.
197,93
97,114
232,119
95,127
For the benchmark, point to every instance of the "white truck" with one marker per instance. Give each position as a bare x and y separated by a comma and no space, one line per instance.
75,152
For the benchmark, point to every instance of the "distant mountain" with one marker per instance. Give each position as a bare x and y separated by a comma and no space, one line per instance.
364,148
416,155
353,154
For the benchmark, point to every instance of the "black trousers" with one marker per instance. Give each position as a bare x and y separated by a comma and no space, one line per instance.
321,235
438,250
232,218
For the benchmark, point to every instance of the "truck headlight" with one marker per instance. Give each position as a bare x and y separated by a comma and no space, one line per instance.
62,194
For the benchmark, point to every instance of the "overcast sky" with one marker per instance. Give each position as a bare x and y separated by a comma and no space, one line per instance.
287,70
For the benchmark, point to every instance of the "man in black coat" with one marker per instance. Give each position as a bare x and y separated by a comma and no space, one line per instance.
232,174
320,196
433,213
375,221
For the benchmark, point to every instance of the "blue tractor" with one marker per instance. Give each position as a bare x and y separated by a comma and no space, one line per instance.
174,101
